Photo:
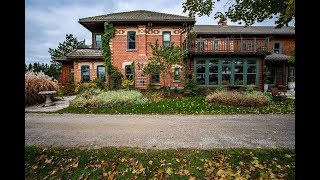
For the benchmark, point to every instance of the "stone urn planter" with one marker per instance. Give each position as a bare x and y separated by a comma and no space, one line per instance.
291,86
265,87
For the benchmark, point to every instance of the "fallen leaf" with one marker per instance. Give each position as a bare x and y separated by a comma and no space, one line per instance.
48,161
220,172
34,167
150,162
41,156
192,178
178,160
287,156
169,171
123,160
186,172
75,165
53,171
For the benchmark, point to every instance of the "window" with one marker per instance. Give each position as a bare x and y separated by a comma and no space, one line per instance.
176,74
131,40
238,72
201,72
98,41
71,74
213,72
128,71
166,38
155,78
85,73
101,72
228,71
277,48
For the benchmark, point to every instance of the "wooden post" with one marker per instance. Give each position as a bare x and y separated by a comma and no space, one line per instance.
228,45
255,44
241,41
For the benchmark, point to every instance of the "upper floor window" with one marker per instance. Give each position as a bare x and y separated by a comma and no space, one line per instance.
166,38
85,73
101,71
98,41
129,73
176,74
277,48
131,40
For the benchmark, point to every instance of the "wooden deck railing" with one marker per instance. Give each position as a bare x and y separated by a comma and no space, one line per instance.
223,45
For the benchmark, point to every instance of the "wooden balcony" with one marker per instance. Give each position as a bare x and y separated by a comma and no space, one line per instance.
227,46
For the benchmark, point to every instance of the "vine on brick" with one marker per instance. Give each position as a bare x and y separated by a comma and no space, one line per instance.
113,76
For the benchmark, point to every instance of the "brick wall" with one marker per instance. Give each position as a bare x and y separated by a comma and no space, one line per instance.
122,56
65,72
287,45
93,68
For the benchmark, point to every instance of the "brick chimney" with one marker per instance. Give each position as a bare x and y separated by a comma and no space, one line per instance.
222,23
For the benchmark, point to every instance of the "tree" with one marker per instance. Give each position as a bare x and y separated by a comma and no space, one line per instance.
247,11
292,58
164,57
63,49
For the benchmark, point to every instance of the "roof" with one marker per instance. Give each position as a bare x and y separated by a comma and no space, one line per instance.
216,29
277,57
138,15
85,53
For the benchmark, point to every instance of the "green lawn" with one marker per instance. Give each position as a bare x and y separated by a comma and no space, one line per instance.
134,163
190,105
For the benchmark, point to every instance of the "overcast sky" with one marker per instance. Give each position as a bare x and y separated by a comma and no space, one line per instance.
48,21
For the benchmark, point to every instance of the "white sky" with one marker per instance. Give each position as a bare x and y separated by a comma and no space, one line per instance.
48,21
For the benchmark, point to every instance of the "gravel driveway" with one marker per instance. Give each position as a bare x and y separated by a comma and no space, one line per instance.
160,131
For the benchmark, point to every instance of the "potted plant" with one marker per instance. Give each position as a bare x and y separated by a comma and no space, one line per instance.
291,83
266,75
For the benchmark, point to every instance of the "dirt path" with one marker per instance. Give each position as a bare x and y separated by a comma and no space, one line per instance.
160,131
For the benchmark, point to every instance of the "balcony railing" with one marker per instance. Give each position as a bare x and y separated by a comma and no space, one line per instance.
227,45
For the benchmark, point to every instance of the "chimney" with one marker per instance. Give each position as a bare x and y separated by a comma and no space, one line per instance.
222,23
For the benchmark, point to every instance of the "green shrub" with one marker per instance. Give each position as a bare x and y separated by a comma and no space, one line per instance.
250,88
254,99
100,82
100,98
67,89
191,87
126,84
36,82
85,86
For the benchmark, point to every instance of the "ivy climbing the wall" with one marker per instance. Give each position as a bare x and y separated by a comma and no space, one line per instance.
113,76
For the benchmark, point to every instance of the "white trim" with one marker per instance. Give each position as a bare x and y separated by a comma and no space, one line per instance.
96,64
84,64
124,64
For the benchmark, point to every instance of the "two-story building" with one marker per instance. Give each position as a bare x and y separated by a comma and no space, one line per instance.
219,55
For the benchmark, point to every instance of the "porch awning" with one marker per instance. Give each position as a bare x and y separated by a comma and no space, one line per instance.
277,57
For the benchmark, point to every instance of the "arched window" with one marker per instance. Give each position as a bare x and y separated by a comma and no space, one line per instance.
85,73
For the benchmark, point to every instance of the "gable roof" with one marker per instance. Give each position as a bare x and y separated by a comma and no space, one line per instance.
137,15
216,29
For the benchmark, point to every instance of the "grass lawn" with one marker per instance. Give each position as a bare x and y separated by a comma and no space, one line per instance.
190,105
134,163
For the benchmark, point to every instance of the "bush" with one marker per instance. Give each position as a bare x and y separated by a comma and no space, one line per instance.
67,89
250,88
100,98
126,84
36,82
191,87
100,82
254,99
85,86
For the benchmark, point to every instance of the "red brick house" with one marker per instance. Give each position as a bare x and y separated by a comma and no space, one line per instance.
220,55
